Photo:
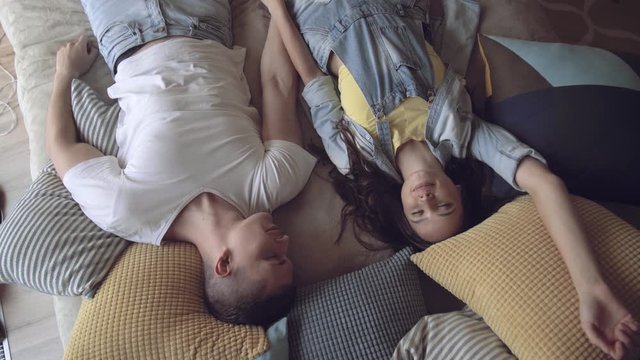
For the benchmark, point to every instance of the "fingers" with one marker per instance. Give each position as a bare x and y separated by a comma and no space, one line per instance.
595,335
76,57
82,44
87,46
632,336
76,41
623,352
619,351
635,338
628,340
82,40
624,334
72,44
92,51
633,323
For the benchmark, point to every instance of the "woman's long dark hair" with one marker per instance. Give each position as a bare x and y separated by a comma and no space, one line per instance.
373,203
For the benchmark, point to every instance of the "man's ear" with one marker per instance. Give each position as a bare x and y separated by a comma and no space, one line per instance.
223,264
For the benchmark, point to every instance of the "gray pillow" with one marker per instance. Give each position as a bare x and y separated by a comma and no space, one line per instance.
47,243
360,315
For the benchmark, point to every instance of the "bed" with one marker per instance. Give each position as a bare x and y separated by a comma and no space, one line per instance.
36,29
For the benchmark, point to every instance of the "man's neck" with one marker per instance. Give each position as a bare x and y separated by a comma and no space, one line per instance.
415,156
204,222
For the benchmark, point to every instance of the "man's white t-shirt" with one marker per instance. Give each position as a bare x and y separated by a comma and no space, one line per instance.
186,127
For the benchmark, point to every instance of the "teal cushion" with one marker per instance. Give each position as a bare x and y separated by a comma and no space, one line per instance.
569,65
278,342
518,67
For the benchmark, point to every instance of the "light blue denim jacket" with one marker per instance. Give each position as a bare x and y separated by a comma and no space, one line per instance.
381,43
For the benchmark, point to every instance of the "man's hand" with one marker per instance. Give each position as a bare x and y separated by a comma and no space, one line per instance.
75,58
608,324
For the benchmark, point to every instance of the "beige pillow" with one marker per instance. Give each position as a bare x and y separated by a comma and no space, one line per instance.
151,307
508,270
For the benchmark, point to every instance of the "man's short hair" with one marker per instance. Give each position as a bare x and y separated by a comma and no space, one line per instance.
238,299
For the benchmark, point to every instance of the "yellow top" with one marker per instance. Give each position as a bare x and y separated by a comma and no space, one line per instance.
407,121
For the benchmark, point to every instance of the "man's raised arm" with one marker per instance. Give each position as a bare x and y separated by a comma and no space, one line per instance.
73,60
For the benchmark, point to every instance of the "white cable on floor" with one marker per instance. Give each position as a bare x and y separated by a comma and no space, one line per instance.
4,104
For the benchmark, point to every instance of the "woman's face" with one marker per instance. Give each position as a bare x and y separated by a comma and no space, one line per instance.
432,205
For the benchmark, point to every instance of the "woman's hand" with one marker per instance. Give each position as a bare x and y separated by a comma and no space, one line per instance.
272,4
298,51
75,58
608,324
604,319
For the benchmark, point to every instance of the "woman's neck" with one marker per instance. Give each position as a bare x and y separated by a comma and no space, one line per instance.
415,156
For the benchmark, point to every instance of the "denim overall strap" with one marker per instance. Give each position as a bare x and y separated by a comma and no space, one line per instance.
453,31
384,137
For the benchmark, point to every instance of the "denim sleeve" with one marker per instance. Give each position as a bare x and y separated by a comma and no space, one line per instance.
326,112
497,148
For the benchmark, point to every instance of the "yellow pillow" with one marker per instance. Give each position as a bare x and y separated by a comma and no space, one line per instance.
509,271
151,307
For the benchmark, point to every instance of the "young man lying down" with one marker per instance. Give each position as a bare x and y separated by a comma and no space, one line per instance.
192,164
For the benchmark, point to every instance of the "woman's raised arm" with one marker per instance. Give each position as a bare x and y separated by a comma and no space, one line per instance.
319,92
295,45
607,323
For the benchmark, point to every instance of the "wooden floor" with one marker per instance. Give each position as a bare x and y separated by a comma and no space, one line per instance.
29,315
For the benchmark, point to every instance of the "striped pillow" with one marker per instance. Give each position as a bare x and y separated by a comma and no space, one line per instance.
47,243
456,335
